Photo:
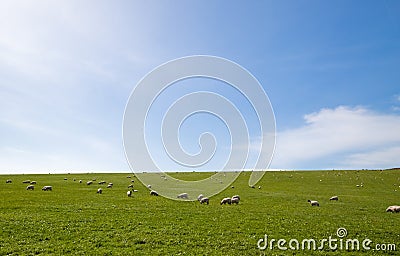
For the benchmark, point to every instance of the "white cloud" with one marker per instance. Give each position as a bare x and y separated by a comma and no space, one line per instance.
386,157
344,137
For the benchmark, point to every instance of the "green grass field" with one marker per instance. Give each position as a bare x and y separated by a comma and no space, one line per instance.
74,219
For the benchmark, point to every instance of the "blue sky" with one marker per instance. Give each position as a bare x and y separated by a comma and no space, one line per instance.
67,68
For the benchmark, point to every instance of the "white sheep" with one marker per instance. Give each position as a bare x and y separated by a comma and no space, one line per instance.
130,186
204,200
26,181
236,196
33,182
183,196
47,188
89,182
128,177
200,197
129,193
334,198
80,181
153,193
110,185
102,182
148,186
8,181
30,187
135,190
235,200
226,200
313,202
99,191
393,208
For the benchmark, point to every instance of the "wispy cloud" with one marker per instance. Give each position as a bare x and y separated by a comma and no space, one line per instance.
66,74
396,102
343,137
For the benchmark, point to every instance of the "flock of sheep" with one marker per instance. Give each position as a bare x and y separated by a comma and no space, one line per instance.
316,203
392,208
201,198
32,184
234,200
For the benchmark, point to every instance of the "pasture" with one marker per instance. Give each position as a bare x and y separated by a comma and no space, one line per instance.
73,219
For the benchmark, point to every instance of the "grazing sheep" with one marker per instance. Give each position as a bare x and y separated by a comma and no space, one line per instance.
26,181
148,186
89,182
135,190
232,187
99,191
259,187
33,182
130,186
8,181
47,188
235,200
200,197
183,196
132,181
334,198
80,181
253,186
226,200
129,193
110,185
236,196
102,182
393,208
153,193
128,177
65,179
30,187
204,200
313,203
93,179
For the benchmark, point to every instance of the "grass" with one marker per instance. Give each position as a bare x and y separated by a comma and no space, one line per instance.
74,220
